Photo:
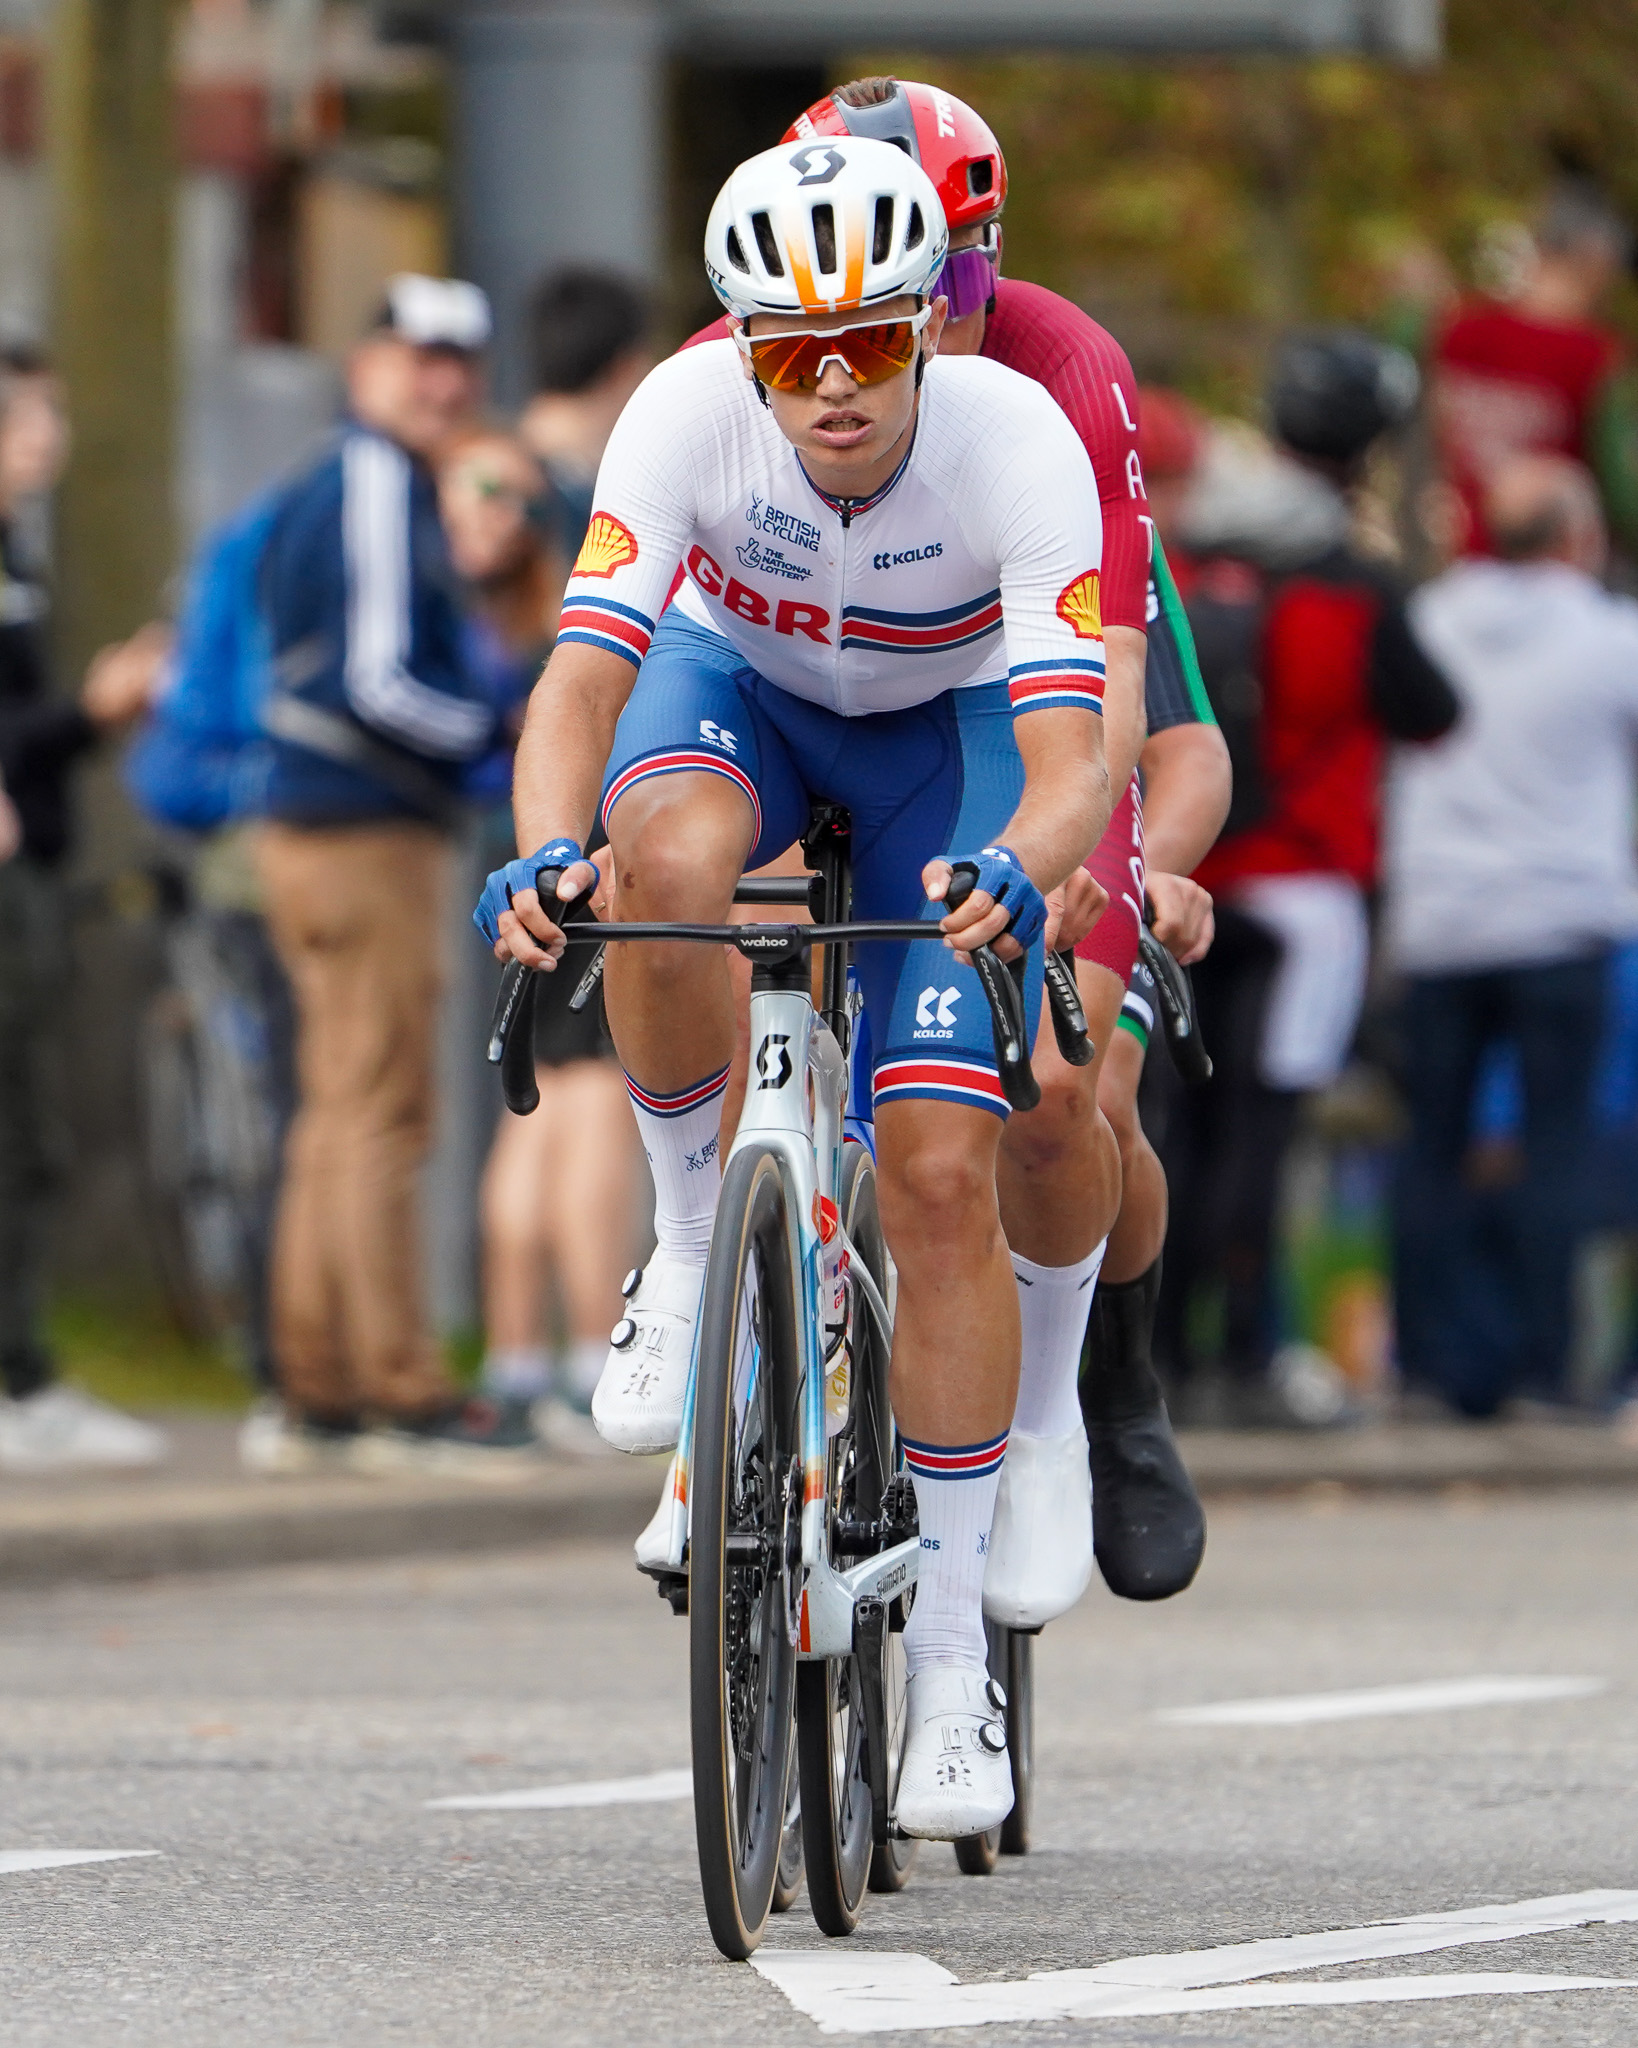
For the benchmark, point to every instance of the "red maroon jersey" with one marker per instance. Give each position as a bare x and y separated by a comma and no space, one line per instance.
1040,335
1507,384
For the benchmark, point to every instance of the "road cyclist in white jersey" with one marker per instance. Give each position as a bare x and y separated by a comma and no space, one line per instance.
888,603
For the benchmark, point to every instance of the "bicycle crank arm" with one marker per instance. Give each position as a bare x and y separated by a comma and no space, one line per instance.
830,1599
870,1640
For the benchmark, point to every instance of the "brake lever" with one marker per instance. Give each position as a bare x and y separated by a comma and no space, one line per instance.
1068,1017
1176,993
1003,986
512,1024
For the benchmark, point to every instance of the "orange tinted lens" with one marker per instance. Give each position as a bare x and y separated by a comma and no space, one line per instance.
793,362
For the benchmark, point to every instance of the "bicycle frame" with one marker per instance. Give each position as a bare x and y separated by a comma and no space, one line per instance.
794,1106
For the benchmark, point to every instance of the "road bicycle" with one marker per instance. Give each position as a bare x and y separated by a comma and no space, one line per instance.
792,1536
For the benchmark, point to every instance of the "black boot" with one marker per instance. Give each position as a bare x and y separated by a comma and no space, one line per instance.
1148,1527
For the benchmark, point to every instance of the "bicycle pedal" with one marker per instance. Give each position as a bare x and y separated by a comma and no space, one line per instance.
672,1586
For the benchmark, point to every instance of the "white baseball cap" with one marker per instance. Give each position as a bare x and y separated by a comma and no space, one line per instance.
436,312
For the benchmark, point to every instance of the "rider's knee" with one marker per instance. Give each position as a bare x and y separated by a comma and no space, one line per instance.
1060,1124
936,1184
677,866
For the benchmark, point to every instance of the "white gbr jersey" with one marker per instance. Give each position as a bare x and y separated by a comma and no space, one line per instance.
978,562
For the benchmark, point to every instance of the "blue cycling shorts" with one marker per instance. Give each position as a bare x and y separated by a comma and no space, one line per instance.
942,777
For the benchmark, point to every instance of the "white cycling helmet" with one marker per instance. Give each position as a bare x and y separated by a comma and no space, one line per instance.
824,227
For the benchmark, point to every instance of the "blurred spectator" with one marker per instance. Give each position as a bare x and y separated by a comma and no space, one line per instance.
199,766
373,717
1540,372
1510,876
559,1191
590,354
43,1425
1309,662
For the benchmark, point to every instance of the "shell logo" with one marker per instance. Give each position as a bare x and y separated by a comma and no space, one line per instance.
1078,606
609,545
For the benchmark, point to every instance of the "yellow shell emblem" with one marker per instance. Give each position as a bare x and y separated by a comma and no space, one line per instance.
608,546
1078,606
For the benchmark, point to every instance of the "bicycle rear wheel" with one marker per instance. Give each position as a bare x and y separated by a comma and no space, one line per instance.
1019,1680
831,1724
744,1552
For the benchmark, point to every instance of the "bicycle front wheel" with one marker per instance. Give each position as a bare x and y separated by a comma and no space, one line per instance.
1019,1681
745,1552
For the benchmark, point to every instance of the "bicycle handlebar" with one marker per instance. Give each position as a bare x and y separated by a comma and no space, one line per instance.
1176,992
511,1029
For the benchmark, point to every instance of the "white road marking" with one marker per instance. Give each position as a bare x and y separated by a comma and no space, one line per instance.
53,1859
656,1785
1431,1698
871,1994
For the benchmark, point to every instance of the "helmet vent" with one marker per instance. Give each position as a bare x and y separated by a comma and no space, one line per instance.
881,246
824,237
981,175
767,247
736,252
916,233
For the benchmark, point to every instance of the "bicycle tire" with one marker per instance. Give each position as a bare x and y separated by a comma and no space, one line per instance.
831,1733
977,1855
747,1486
1020,1684
788,1879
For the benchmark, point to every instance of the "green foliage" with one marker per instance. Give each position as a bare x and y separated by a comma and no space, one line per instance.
1199,206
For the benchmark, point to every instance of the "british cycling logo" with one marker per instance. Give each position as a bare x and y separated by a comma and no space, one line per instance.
930,553
777,525
696,1162
935,1012
609,545
771,561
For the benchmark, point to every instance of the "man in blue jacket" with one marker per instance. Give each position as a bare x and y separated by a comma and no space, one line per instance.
371,718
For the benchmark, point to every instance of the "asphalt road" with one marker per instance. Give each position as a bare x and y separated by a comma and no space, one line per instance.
275,1737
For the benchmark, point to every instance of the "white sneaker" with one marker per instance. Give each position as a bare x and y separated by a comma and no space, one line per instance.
1040,1555
60,1428
639,1400
956,1777
274,1444
566,1429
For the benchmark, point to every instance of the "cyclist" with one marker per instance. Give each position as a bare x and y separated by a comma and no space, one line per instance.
889,602
1072,1178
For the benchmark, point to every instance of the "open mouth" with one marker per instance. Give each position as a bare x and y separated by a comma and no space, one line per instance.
841,429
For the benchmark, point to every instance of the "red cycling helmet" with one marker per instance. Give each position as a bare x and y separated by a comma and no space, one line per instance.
953,146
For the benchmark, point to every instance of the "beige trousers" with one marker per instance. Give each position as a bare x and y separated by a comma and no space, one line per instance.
356,914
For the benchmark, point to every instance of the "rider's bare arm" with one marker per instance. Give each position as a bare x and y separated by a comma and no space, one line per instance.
565,746
1186,791
1125,726
1061,817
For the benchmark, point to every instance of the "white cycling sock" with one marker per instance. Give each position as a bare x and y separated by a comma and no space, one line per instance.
681,1135
518,1372
1053,1302
955,1501
581,1367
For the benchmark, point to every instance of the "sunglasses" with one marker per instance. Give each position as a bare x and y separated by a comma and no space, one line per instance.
968,277
869,354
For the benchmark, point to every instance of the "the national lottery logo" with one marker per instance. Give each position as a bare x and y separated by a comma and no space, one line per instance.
609,545
770,561
777,525
1078,606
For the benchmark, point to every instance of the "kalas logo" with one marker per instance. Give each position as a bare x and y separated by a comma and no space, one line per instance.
609,545
1078,606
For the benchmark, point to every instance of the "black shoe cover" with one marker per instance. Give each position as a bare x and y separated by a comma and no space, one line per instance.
1148,1527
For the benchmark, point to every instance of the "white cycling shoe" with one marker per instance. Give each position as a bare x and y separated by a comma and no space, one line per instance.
638,1404
1040,1555
955,1778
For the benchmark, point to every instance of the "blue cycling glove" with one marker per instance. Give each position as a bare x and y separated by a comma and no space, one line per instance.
1001,876
505,882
